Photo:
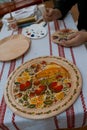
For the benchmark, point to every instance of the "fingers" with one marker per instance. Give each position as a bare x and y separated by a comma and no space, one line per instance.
79,38
51,14
72,42
46,18
74,39
48,12
72,35
47,15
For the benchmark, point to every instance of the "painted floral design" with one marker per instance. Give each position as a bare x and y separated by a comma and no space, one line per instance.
41,85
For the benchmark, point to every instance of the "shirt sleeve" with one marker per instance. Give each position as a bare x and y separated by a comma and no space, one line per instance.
64,5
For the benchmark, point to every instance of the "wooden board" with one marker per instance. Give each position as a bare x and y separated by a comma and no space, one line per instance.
13,47
43,87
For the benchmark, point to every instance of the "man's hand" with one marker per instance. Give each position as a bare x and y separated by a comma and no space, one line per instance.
75,39
51,14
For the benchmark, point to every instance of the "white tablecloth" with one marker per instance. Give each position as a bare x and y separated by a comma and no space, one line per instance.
76,115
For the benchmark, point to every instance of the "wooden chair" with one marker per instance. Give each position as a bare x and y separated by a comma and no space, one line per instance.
24,3
4,7
16,4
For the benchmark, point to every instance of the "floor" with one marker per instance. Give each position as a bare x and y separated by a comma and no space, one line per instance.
75,14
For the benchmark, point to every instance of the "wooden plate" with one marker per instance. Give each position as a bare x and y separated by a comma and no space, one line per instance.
13,47
35,31
43,87
62,35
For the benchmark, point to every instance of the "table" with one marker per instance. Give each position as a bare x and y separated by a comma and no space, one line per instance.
76,115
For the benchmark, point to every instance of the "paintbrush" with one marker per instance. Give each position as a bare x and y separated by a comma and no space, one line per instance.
42,10
9,9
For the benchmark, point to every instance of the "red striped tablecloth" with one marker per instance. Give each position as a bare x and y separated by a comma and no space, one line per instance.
76,115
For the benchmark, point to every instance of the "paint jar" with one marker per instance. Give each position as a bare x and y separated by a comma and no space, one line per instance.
12,24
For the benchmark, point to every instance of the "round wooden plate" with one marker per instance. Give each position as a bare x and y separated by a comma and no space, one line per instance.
43,87
35,31
62,35
13,47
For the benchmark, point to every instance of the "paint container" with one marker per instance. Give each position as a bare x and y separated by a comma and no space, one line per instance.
12,24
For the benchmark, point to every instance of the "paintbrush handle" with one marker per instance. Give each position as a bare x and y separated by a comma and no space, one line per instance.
42,8
10,13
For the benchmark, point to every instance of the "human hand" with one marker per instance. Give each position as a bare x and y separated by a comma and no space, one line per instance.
51,14
75,39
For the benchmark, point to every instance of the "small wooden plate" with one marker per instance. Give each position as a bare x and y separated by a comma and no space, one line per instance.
13,47
62,35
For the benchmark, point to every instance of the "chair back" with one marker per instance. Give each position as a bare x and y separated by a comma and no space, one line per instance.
16,4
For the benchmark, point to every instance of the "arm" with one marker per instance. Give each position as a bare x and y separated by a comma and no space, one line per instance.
61,7
64,5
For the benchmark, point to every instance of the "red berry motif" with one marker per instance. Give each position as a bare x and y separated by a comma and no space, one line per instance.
55,87
40,89
25,86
